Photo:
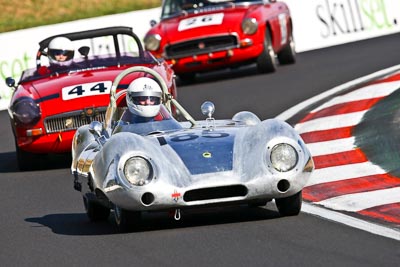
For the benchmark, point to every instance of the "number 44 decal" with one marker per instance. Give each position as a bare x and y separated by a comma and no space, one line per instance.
86,89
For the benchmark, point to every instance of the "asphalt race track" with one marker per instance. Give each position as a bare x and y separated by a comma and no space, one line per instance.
43,221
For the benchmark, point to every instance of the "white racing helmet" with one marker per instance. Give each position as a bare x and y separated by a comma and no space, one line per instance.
60,51
143,97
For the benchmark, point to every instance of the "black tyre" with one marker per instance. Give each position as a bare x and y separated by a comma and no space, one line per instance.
266,61
288,53
95,211
289,206
126,220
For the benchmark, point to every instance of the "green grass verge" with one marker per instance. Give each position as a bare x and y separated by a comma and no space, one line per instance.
24,14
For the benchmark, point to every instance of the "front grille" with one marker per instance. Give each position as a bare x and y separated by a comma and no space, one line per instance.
201,46
215,193
72,120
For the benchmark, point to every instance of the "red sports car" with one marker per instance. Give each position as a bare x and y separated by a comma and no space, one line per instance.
201,35
51,101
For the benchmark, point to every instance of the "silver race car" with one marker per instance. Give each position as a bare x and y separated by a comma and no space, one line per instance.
166,164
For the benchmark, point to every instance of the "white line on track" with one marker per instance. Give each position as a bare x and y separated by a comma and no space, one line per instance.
367,92
351,221
344,172
330,122
361,201
330,214
295,109
331,147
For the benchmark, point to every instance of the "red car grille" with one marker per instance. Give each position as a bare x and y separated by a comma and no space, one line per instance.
72,120
201,46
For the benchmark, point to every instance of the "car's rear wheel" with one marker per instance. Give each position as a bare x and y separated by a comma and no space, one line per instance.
95,211
288,53
266,61
126,220
289,206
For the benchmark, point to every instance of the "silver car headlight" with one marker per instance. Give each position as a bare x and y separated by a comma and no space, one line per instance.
249,26
152,42
138,171
284,157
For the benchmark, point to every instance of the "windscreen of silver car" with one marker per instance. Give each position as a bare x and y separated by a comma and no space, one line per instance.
284,157
25,111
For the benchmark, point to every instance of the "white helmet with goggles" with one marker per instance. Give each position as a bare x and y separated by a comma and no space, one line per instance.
143,97
60,51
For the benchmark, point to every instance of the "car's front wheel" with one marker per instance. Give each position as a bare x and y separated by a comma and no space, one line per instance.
288,54
289,206
95,211
126,220
266,61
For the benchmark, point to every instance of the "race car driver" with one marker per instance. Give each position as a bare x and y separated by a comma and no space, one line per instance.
143,98
60,52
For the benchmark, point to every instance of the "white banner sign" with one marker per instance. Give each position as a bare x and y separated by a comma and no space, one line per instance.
316,23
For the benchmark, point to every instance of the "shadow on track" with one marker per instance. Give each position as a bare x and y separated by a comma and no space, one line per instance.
8,162
78,224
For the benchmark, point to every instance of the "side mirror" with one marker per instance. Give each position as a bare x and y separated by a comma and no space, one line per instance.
153,23
84,51
208,108
10,82
96,128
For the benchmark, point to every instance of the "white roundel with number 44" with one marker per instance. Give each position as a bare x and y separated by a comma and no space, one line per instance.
86,89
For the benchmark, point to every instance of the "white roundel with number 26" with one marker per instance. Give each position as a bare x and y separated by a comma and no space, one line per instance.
199,21
86,89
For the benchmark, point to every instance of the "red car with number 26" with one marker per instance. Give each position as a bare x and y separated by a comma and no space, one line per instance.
201,35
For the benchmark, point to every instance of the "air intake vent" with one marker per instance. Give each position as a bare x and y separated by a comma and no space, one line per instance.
202,46
215,193
72,120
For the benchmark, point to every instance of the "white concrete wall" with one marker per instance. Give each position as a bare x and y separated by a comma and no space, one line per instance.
317,24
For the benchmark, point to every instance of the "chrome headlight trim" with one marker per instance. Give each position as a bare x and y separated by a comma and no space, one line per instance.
152,42
136,170
249,26
283,157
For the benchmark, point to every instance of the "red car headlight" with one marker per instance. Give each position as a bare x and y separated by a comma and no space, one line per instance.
152,42
25,111
250,26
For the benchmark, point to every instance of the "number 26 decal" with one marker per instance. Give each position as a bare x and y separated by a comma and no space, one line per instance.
86,89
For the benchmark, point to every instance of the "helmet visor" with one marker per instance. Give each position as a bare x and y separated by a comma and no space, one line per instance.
55,53
145,100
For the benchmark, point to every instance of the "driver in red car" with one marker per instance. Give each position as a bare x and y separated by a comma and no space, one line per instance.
60,52
143,98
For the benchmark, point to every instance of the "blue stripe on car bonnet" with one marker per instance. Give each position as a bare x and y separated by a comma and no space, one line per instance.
204,151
